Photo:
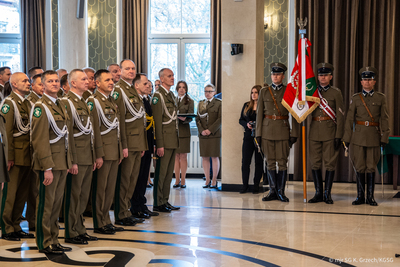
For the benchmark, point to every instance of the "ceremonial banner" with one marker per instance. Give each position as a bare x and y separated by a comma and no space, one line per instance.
301,95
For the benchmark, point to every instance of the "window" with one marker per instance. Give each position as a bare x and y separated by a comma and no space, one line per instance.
10,35
179,39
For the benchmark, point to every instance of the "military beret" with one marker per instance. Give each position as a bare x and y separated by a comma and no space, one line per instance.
368,73
325,68
277,67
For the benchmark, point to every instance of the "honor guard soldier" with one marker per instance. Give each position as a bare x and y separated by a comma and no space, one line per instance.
326,133
108,146
52,158
273,132
16,109
367,128
166,128
79,178
134,138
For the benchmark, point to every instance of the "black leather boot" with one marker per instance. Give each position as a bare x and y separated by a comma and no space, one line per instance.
360,189
370,189
317,177
329,175
272,195
281,182
265,178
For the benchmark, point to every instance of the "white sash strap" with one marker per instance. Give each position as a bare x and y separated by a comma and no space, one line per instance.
103,119
171,117
136,114
87,129
325,107
22,129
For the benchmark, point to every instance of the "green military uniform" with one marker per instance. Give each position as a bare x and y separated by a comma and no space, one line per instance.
87,94
209,117
107,144
77,187
15,110
184,126
366,134
1,92
33,189
4,176
166,130
133,137
325,136
273,127
50,150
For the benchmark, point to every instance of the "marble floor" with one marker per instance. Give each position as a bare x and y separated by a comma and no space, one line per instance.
215,228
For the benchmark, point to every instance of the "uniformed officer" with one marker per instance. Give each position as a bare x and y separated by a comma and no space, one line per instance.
107,144
115,71
64,89
134,138
35,95
79,179
5,74
92,84
4,177
52,157
274,133
326,132
138,201
166,127
34,71
15,109
368,113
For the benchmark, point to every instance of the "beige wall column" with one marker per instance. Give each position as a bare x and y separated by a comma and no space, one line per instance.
242,22
73,38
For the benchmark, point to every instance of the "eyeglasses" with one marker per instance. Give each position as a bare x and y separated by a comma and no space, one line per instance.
209,91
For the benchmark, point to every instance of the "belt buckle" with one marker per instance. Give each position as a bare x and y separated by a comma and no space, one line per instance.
366,123
319,119
274,117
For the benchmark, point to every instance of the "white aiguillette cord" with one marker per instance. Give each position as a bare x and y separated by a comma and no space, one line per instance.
102,118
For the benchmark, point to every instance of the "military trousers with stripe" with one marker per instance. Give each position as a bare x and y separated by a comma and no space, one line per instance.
76,196
103,189
48,206
15,194
126,183
163,177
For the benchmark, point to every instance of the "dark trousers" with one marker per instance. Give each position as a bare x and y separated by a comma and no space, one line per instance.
138,200
248,149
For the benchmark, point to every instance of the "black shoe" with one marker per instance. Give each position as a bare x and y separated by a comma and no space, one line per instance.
243,190
51,250
148,186
176,185
104,230
114,228
126,222
214,186
162,208
11,237
172,207
23,218
151,213
32,229
207,185
136,220
87,237
317,178
61,247
22,234
61,220
183,186
141,214
360,189
76,240
151,184
87,214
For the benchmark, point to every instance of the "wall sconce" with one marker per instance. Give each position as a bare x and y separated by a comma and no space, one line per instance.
267,21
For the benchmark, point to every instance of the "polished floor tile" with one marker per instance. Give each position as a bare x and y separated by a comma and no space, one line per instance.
215,228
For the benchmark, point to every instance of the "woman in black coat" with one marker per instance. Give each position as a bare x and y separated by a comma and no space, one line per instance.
247,117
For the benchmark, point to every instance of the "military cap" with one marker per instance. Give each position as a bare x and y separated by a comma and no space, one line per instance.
325,68
368,73
277,67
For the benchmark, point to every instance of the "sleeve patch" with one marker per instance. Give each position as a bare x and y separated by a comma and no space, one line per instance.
37,112
155,100
5,109
90,105
115,95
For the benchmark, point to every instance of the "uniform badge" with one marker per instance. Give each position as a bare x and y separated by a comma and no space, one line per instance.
90,105
37,112
5,109
155,100
115,95
76,100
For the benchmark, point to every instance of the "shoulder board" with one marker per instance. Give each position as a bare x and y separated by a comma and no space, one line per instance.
379,93
202,100
335,88
357,93
218,99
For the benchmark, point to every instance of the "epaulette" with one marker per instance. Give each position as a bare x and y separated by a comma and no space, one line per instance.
357,93
218,99
202,100
337,89
380,93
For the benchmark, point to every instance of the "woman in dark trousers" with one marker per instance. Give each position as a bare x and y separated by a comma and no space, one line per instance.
247,116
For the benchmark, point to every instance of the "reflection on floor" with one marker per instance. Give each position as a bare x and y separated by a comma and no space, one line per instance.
215,228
